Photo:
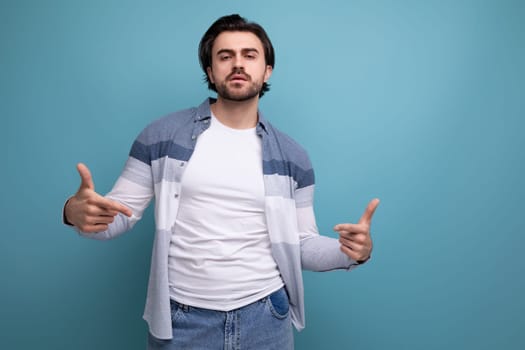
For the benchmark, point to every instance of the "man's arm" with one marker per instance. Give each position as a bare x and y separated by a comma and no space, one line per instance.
98,217
322,253
318,252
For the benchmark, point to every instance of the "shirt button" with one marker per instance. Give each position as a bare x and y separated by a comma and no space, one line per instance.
181,163
176,195
193,137
207,121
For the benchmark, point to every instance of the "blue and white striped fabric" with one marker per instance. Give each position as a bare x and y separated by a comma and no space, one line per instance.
154,169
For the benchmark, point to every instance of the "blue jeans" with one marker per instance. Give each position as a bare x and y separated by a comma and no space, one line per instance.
264,324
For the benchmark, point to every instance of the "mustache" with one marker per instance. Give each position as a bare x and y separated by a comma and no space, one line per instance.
238,71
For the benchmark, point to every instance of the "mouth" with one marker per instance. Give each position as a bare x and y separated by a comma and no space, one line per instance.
238,77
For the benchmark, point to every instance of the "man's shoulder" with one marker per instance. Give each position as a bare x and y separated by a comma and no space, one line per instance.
173,119
292,150
164,128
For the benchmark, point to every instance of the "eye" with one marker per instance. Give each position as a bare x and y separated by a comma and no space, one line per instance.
224,57
250,56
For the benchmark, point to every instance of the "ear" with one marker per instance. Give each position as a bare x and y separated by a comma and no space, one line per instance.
210,75
268,73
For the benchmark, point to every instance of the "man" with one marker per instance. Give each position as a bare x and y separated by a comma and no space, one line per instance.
233,209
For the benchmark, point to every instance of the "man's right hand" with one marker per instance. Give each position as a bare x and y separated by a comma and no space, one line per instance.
89,211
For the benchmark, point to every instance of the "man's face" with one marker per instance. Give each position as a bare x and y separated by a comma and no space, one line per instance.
238,67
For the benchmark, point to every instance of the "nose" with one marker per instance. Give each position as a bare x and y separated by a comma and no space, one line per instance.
238,61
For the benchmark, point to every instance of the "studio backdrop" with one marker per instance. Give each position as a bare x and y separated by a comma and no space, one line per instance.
418,103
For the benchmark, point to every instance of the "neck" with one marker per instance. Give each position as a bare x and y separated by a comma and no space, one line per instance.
235,114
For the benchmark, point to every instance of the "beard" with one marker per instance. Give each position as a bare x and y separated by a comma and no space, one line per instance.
239,94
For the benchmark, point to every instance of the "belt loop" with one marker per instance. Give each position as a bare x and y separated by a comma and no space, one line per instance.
175,303
184,307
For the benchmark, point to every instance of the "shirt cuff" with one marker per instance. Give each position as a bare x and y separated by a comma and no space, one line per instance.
64,218
361,262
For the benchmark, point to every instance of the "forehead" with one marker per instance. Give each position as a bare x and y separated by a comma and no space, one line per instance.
237,41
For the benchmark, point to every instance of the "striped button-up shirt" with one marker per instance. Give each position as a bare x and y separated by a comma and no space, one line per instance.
154,169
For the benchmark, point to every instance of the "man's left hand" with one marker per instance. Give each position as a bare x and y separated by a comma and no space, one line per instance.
355,238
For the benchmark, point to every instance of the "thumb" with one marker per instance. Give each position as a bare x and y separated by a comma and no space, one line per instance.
86,181
369,212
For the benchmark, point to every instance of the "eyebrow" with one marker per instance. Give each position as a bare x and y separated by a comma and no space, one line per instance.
244,51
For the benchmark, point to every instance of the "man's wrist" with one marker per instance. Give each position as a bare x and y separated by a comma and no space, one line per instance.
359,262
64,217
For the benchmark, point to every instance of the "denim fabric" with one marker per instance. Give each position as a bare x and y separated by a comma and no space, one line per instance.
265,324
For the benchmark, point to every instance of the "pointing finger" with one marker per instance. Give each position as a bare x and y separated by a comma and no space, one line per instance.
109,204
350,228
123,209
369,212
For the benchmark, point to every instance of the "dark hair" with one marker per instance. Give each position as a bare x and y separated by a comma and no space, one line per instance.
233,23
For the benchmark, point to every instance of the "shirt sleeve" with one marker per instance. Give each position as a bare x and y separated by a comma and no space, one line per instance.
318,253
134,189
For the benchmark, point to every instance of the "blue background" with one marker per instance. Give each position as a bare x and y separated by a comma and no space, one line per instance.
419,103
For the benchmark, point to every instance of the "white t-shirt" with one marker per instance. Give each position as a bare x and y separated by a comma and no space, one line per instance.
220,256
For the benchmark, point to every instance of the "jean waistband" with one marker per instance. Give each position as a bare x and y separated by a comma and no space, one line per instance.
186,308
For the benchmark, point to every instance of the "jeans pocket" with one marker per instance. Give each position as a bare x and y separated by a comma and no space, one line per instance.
279,304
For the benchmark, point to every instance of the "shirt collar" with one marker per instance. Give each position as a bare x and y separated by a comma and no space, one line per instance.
204,112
